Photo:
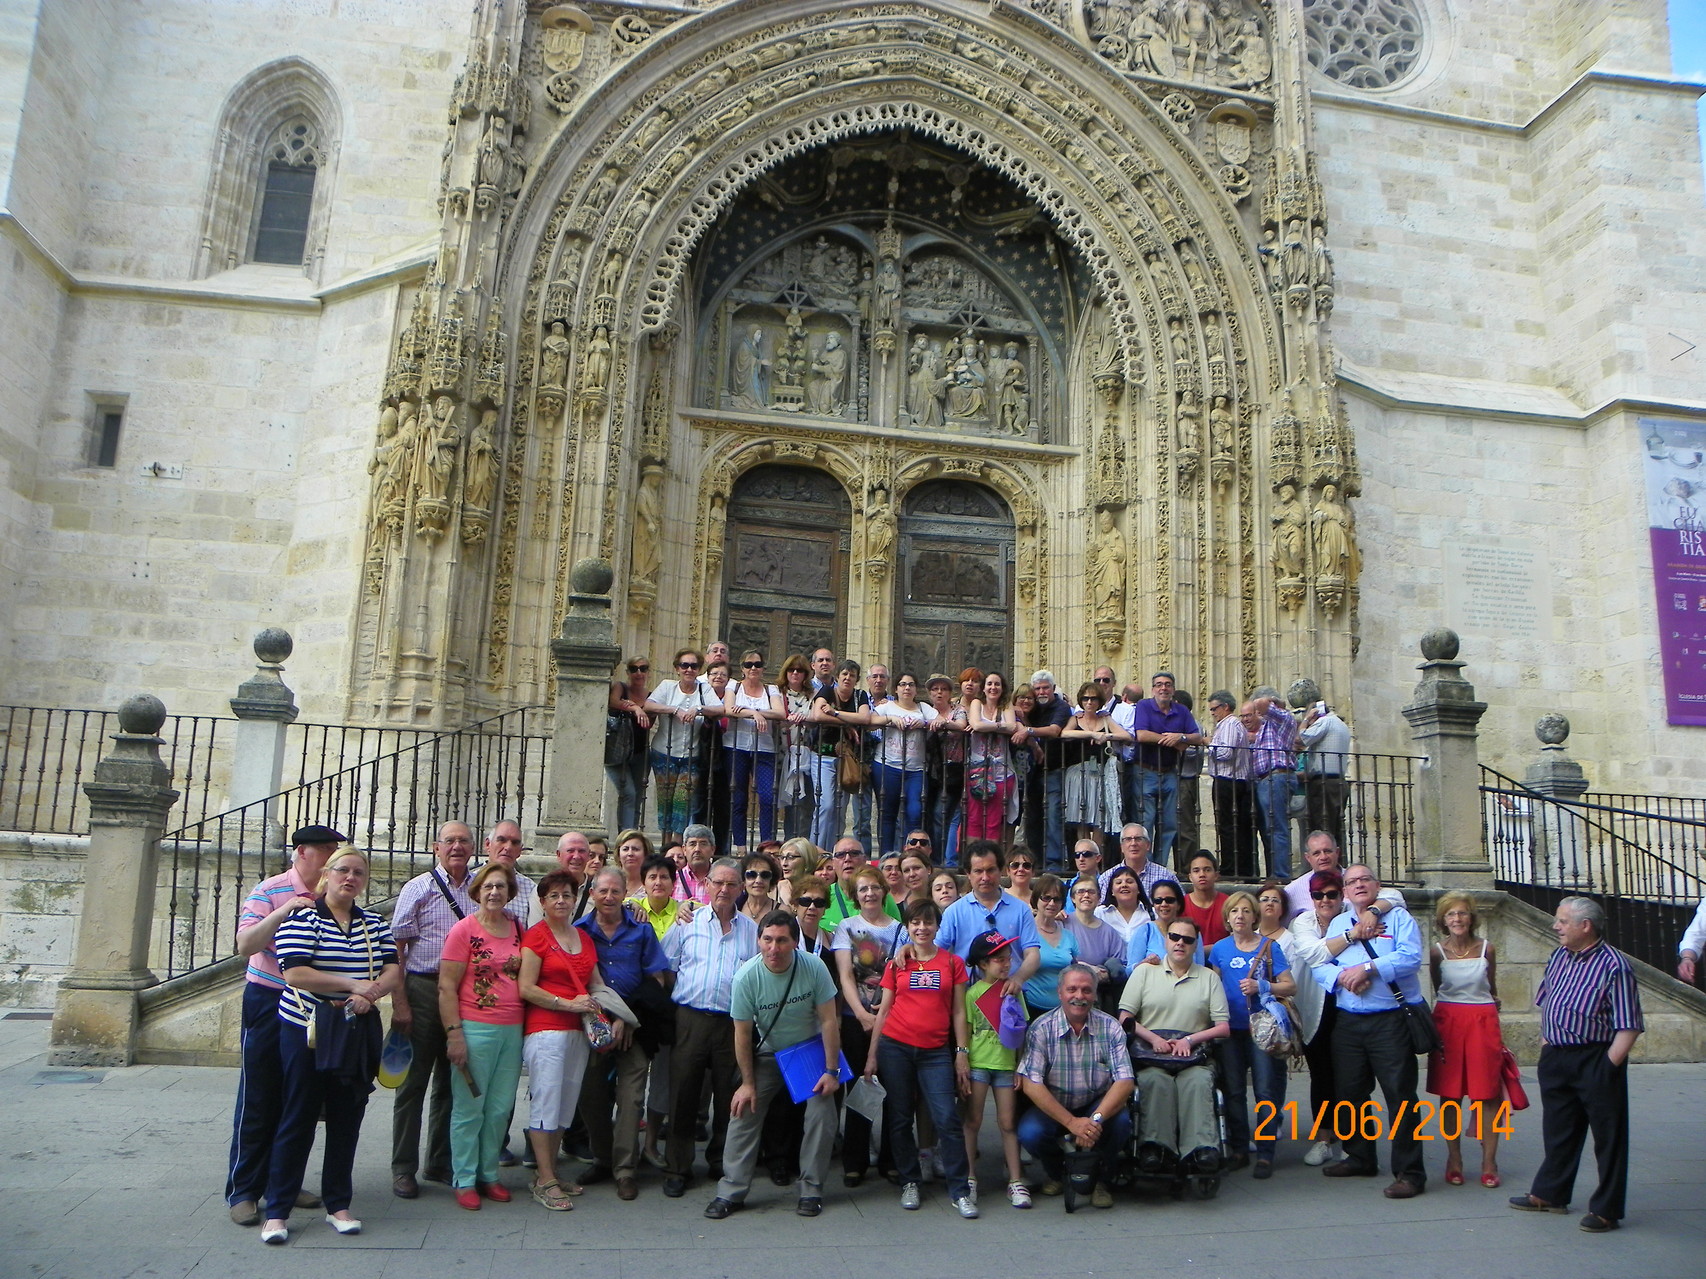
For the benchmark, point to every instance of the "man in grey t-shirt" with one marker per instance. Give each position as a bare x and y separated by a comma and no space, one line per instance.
781,998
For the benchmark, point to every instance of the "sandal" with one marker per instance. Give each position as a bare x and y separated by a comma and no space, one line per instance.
551,1196
571,1188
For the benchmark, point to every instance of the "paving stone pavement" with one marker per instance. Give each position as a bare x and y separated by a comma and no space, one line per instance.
120,1174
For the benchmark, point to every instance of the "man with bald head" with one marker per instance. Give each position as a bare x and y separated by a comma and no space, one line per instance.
427,909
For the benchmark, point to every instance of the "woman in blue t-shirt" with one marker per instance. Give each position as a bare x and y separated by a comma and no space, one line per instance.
1059,947
1239,959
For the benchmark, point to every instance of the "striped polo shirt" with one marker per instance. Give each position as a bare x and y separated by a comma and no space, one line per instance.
313,939
268,896
1586,997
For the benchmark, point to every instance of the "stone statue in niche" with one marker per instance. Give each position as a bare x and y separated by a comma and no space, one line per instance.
828,376
1288,534
648,528
863,292
968,395
925,382
1334,544
480,470
438,452
1296,258
1107,580
597,373
880,531
1013,392
554,358
388,466
749,375
1195,30
1189,432
611,276
888,294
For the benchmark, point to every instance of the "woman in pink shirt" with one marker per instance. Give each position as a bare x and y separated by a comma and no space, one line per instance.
479,1001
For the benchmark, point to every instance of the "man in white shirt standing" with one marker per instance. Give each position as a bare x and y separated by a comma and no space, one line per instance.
1326,740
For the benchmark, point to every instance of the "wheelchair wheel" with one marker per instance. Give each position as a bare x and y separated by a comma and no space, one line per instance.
1203,1188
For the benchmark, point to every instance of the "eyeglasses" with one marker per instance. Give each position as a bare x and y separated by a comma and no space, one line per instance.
1052,900
851,852
759,874
1331,895
1184,939
811,903
638,670
751,666
725,883
687,666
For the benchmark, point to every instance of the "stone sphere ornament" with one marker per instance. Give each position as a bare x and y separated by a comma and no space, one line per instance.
591,576
143,715
274,645
1552,729
1440,645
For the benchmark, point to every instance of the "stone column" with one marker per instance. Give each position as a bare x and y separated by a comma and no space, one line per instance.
584,653
1444,716
264,707
96,1019
1559,839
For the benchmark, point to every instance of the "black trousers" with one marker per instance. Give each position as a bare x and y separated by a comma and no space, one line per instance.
1324,797
1371,1047
1187,835
1581,1091
1318,1054
704,1047
1235,828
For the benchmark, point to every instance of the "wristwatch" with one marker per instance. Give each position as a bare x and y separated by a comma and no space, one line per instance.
1096,1118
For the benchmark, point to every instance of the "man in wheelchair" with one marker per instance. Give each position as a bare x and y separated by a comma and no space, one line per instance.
1171,1010
1077,1072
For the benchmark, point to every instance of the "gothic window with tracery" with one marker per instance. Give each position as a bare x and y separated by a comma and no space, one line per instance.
287,194
1363,44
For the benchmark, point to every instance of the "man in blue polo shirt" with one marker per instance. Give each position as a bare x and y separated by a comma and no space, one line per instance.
1164,730
988,909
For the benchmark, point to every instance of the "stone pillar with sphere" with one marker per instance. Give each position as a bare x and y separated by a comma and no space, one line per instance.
584,653
265,708
1449,851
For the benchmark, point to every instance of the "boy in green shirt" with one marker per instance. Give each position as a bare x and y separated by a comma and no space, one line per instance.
992,1065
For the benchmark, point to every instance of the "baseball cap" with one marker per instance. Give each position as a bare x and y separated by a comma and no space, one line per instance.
986,945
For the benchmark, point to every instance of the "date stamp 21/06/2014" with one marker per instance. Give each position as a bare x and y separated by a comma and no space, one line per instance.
1341,1121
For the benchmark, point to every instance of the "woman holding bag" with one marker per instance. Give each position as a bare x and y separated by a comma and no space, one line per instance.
559,972
1245,960
1470,1065
338,960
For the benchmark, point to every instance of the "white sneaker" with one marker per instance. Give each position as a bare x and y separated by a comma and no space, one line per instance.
967,1208
971,1189
1018,1194
909,1196
1320,1153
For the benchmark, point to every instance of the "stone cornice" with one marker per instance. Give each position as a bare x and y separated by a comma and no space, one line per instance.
1364,384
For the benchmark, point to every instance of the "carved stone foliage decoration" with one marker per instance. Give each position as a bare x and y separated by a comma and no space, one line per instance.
1363,44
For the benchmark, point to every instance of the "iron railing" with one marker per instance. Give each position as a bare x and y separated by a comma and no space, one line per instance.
1645,866
46,755
391,805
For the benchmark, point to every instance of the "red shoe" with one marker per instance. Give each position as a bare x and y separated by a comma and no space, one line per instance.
469,1198
497,1192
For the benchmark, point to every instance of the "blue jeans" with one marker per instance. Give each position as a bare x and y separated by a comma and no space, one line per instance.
1239,1057
896,787
1157,796
746,764
629,779
1043,791
1041,1136
1273,796
907,1073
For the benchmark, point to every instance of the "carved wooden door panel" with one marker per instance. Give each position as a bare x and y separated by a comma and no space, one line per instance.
956,582
785,564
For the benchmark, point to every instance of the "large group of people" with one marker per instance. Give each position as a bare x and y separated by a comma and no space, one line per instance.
824,742
688,1010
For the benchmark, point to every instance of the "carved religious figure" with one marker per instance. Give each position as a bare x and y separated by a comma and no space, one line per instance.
1151,45
866,286
497,162
1252,64
749,378
1013,392
1194,30
888,294
1107,576
1296,256
438,452
480,468
1330,528
596,375
648,527
828,375
388,466
611,275
968,396
1288,535
880,530
554,359
924,385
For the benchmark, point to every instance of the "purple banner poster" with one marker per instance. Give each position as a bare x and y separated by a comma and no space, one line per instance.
1676,527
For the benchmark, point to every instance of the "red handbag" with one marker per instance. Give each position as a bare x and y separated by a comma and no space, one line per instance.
1514,1091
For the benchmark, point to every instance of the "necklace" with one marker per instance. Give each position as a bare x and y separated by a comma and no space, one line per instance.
1468,953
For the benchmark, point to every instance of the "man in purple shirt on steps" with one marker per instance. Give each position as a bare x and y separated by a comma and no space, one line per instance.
1164,730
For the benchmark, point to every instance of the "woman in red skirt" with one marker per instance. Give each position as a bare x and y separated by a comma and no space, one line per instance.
1467,1014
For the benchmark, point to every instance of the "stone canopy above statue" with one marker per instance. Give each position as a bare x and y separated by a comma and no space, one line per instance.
888,283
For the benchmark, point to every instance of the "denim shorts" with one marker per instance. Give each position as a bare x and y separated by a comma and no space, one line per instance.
994,1078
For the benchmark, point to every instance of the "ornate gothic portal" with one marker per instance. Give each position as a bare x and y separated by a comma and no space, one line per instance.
950,332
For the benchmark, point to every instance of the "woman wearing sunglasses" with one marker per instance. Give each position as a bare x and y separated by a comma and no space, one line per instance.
1148,943
752,709
676,706
759,873
1327,902
625,735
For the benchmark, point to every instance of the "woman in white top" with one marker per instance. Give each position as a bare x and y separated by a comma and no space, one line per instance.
1470,1065
899,775
796,793
753,709
991,790
675,706
1308,952
1123,907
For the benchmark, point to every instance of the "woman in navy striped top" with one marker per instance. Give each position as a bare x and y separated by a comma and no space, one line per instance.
339,961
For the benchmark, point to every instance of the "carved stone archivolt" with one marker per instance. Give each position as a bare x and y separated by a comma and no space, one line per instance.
1159,151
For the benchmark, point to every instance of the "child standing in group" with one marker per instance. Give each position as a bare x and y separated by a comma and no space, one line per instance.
992,1065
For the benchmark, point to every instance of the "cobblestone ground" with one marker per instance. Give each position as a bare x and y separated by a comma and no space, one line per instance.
119,1173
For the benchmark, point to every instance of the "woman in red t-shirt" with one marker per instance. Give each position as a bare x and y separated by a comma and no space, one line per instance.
559,972
918,1050
480,1005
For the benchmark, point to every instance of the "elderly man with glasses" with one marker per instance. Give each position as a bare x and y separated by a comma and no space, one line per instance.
847,861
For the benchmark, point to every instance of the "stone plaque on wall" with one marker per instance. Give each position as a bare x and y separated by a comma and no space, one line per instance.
1498,587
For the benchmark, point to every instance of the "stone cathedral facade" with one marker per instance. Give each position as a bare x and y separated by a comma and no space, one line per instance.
1248,338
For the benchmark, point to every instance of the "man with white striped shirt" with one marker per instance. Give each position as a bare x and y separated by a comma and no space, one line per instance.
260,1085
705,953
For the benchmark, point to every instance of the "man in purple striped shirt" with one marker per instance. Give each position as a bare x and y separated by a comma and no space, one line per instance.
1273,772
1590,1017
